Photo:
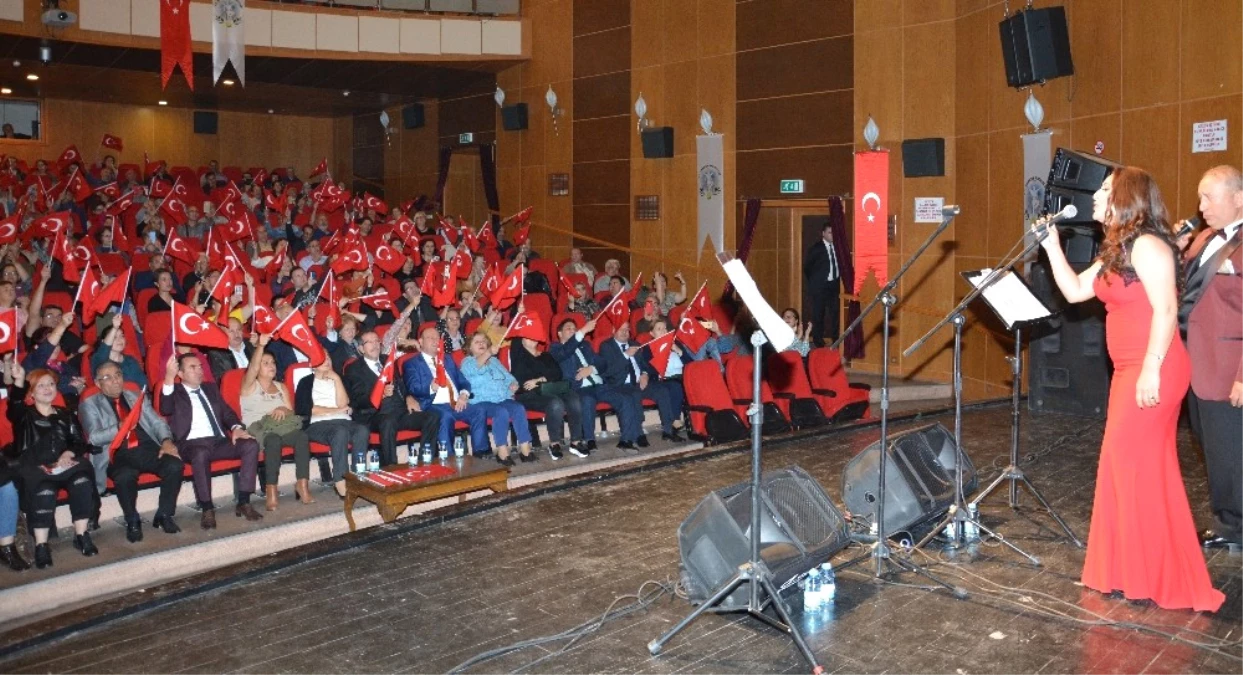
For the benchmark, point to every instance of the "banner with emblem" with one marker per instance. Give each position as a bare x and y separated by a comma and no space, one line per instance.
871,217
228,38
711,177
1037,158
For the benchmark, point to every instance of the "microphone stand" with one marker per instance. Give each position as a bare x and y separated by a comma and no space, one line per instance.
880,552
959,513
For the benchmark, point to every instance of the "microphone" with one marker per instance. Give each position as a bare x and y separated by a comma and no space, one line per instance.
950,210
1042,227
1189,226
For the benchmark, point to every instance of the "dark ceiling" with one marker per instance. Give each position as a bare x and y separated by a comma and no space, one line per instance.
285,85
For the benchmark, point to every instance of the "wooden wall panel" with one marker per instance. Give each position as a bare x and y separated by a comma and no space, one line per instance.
602,95
827,171
782,71
780,22
795,121
600,15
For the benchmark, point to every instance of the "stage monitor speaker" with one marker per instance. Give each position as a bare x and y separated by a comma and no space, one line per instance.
1068,366
919,479
800,528
205,122
658,143
1036,46
514,117
1055,199
1074,170
923,157
412,116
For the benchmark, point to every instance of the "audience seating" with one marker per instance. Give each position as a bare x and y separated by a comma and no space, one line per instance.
784,373
738,374
706,393
838,397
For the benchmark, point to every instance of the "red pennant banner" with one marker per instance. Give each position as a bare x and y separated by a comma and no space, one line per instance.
175,41
871,217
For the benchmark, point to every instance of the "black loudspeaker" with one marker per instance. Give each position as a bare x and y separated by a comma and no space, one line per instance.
205,122
1068,366
412,116
1035,45
514,117
1055,199
923,157
1074,170
920,478
800,528
658,143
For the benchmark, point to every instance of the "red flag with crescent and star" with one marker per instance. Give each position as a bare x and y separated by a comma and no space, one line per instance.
265,320
322,167
112,142
509,290
113,292
530,326
175,41
692,334
700,306
70,155
190,328
386,378
128,424
294,331
8,330
871,217
389,259
8,228
88,288
661,348
181,248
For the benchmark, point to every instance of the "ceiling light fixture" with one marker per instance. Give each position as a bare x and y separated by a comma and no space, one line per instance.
346,92
271,111
6,91
162,102
227,83
32,77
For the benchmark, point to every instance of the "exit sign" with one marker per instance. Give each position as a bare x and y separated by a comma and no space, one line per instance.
466,138
792,186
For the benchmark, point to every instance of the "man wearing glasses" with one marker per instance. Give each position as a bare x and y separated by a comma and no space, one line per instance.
148,448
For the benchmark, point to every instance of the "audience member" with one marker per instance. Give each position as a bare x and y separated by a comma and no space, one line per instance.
400,409
436,384
543,388
322,402
267,412
493,389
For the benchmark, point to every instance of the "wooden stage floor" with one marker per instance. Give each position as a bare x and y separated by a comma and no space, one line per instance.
425,600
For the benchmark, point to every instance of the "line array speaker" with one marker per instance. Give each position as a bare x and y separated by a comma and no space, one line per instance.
1035,44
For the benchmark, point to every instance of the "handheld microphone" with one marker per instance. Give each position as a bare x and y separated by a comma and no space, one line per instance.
1042,227
1189,226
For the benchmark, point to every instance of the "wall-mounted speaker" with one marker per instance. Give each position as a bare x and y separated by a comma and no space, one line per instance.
658,143
514,117
923,157
1076,170
412,116
1035,45
205,122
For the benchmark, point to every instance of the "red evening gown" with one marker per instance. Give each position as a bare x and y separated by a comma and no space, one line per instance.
1142,540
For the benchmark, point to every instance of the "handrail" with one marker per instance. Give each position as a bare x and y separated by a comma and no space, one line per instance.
714,271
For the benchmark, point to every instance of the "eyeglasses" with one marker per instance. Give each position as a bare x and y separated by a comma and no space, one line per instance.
107,378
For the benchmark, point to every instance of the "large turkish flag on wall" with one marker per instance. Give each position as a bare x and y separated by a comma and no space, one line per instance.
871,217
175,41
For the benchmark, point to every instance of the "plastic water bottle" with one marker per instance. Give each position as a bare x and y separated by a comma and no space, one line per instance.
412,457
427,453
811,591
373,460
971,530
828,584
459,446
360,461
442,452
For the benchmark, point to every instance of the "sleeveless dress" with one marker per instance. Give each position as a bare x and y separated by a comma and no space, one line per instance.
1142,540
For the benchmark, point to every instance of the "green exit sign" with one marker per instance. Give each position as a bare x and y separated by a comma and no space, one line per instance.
792,186
466,138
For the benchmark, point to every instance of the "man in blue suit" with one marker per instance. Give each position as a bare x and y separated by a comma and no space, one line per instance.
586,369
452,401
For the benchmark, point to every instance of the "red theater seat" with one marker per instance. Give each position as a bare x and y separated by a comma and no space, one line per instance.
840,400
706,393
784,373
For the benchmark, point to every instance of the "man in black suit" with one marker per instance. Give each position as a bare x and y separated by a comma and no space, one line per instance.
398,411
623,374
236,356
822,273
206,429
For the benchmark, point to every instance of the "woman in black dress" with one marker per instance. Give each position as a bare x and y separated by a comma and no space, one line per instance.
542,387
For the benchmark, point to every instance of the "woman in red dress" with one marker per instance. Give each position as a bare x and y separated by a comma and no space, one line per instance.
1142,540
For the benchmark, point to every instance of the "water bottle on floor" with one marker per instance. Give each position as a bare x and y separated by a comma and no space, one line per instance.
828,584
360,461
459,446
373,460
971,530
811,591
427,453
412,457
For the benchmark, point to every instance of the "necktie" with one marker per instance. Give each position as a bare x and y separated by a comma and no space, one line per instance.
832,260
211,415
131,441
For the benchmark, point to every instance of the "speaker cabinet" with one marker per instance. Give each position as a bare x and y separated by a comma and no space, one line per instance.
1068,366
205,122
514,117
412,116
799,529
923,157
1076,170
1036,46
920,478
658,143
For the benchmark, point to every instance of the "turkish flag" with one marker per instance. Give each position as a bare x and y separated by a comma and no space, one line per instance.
122,204
329,294
62,251
700,307
445,292
322,167
228,193
8,330
161,188
265,320
522,235
294,331
110,190
241,223
8,228
149,168
431,272
174,210
113,292
112,142
378,300
486,236
69,156
523,215
386,378
175,41
78,187
182,249
260,178
530,326
388,259
229,279
119,241
470,240
128,424
84,253
189,328
618,309
660,349
274,265
354,258
692,333
459,266
871,217
510,289
442,376
88,288
274,202
374,203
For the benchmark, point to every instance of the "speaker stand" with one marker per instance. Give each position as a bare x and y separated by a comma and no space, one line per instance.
959,515
880,552
1012,473
762,590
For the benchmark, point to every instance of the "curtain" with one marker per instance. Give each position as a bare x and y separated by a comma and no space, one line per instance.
487,167
750,217
852,346
446,154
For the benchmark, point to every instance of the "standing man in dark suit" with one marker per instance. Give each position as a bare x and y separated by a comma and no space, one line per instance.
398,411
822,274
623,374
206,429
1211,318
236,356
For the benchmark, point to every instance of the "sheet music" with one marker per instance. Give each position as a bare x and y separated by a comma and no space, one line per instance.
779,334
1009,297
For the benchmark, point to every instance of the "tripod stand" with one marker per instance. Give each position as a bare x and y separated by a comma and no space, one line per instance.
880,552
754,571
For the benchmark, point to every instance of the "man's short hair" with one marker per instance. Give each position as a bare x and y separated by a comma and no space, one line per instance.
1228,176
182,358
106,365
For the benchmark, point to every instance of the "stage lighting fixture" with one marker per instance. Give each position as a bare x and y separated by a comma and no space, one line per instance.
6,91
32,77
227,83
162,102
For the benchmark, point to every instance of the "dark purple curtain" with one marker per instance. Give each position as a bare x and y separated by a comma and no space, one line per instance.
487,167
852,346
446,155
750,217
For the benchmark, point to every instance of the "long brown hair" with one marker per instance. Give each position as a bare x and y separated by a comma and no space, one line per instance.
1135,208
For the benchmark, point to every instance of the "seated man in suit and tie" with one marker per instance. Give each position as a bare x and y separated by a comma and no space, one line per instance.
666,388
148,448
398,411
206,429
624,371
236,356
451,398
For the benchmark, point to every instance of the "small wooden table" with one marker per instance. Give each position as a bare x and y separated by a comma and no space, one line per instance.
470,474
